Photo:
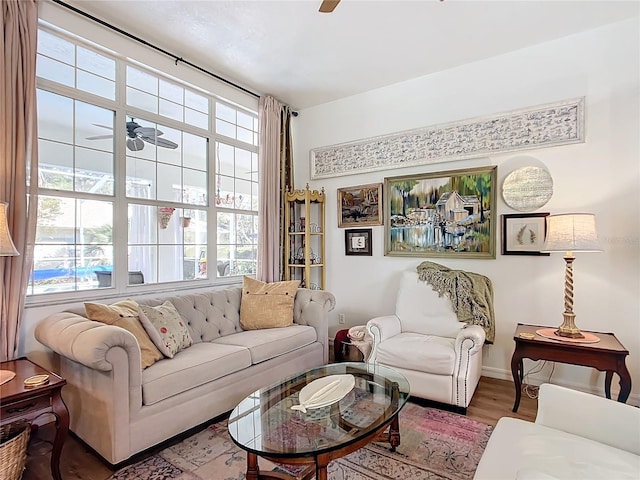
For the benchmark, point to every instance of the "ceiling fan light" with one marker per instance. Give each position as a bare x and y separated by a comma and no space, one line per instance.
135,144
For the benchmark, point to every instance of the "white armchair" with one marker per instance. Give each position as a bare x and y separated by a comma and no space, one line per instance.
576,435
440,356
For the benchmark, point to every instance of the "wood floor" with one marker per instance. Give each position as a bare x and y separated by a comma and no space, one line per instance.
492,400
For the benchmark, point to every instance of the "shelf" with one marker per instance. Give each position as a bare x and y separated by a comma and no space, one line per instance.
305,209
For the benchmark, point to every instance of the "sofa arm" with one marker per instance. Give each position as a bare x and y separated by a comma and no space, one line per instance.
85,341
470,338
589,416
311,307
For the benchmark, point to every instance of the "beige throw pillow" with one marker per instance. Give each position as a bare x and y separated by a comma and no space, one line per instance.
165,327
267,305
124,314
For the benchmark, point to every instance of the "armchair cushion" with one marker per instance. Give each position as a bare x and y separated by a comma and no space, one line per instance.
421,310
414,351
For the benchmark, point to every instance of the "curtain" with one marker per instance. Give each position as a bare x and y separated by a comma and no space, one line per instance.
275,176
269,117
19,160
286,180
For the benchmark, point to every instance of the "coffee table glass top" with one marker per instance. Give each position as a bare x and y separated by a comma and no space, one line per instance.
265,424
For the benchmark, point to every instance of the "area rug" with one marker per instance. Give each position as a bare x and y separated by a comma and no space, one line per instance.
434,445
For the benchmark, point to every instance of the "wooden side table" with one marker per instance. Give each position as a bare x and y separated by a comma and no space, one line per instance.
608,355
18,402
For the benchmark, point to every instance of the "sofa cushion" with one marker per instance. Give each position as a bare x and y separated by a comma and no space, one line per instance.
421,310
530,448
165,327
267,305
124,314
271,342
413,350
197,365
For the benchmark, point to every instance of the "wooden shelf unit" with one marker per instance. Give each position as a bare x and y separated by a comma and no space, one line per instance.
304,248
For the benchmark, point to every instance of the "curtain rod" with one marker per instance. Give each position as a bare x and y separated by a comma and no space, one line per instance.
155,47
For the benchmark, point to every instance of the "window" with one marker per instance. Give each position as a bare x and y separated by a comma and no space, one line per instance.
174,192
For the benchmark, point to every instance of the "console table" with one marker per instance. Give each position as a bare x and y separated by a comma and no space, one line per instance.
608,355
18,402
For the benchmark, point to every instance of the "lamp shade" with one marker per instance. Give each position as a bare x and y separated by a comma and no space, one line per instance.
7,248
571,232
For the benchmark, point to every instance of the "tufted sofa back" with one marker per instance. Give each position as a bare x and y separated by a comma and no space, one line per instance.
209,315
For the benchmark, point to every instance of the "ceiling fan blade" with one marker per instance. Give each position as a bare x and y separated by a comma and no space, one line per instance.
161,142
135,144
98,137
147,131
328,6
103,126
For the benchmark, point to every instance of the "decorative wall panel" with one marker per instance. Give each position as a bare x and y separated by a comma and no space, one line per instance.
548,125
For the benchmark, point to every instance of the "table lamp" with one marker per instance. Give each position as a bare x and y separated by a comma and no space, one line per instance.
570,232
7,249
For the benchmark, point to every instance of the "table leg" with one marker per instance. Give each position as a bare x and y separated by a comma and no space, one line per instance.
394,433
517,373
62,428
625,383
253,472
607,383
321,472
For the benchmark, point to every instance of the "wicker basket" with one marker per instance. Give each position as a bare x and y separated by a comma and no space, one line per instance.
14,438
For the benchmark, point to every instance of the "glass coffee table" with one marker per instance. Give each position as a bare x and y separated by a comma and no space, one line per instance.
263,424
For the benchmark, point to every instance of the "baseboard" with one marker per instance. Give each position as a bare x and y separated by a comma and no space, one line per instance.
536,380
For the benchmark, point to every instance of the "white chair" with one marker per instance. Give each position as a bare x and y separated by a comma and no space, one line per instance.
576,435
440,356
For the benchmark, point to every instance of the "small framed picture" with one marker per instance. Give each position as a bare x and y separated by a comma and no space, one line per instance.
360,206
357,241
523,234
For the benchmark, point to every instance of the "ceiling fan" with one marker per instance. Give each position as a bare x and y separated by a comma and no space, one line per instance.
328,6
137,135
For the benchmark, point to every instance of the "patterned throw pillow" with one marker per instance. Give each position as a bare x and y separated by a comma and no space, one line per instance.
124,314
267,305
165,327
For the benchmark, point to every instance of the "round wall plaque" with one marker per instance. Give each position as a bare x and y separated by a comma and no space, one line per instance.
527,188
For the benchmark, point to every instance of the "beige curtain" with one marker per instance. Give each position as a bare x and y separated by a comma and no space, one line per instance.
19,159
269,115
275,174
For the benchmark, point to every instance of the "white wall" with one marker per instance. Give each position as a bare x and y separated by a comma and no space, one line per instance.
601,176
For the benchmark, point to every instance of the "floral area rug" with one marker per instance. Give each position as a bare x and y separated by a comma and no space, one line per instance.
434,445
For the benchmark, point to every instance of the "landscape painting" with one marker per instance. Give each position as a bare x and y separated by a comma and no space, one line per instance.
443,214
360,205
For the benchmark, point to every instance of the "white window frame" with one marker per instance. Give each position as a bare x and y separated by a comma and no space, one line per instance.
120,285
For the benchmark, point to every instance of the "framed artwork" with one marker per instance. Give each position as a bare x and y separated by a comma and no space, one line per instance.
360,205
357,241
442,214
524,233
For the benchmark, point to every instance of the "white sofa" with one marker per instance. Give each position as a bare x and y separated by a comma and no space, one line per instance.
575,436
119,409
440,356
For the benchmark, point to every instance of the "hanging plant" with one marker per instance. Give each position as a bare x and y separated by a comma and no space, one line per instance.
164,216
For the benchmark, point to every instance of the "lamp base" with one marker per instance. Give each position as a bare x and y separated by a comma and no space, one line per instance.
568,327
